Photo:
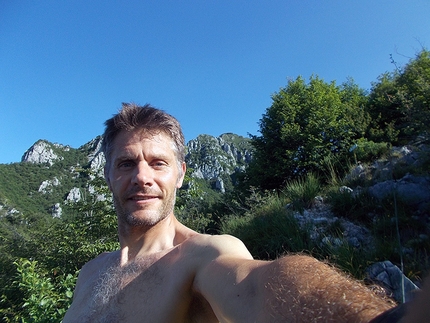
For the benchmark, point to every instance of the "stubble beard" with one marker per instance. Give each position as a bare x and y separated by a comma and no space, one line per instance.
150,218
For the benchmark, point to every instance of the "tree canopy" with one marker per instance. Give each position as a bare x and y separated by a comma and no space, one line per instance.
312,122
399,102
306,124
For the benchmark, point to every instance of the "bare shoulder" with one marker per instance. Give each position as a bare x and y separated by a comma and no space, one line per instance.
228,279
214,246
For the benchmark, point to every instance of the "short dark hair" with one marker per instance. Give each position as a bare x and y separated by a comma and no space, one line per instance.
148,118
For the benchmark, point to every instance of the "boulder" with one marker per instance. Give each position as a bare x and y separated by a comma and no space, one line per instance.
412,190
393,280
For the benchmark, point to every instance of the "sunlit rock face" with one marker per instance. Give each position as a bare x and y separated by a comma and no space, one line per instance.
210,157
40,153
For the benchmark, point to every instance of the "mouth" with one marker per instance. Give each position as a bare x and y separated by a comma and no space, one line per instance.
143,197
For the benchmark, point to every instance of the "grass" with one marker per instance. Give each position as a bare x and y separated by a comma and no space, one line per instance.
302,192
270,229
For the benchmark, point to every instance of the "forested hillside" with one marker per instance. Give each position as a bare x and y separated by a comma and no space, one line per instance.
337,172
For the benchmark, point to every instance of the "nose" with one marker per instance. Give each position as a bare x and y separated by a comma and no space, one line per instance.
143,175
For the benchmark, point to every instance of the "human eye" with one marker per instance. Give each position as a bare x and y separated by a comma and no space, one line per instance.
125,164
159,164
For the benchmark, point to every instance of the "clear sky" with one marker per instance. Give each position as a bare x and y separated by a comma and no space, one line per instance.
66,66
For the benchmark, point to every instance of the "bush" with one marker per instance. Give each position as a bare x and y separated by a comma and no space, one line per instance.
368,151
302,192
268,230
46,297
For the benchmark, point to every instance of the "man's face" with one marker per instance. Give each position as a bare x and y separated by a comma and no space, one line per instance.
143,176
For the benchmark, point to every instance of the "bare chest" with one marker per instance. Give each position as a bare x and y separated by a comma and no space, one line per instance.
155,291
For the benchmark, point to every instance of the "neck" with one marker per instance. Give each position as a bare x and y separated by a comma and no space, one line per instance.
144,240
141,241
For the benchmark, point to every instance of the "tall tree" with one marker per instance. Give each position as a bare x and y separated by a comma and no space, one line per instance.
306,123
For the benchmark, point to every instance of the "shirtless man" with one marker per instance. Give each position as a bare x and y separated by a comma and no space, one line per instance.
166,272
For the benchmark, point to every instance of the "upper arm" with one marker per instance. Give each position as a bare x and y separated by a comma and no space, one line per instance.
229,280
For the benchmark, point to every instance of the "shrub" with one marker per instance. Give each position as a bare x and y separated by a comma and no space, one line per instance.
367,150
46,297
302,192
268,230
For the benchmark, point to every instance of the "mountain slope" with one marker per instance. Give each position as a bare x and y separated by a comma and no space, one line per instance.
50,175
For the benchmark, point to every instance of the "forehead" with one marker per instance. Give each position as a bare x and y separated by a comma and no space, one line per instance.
127,140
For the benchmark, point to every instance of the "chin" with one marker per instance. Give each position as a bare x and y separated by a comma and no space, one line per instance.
145,220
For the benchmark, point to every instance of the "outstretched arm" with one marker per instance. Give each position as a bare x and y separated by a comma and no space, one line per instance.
303,289
294,288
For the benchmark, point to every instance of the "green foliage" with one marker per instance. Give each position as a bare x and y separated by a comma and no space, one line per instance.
367,150
90,231
399,103
305,124
268,229
302,191
46,297
384,110
58,248
414,93
195,202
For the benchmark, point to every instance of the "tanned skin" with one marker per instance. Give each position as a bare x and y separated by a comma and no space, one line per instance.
166,272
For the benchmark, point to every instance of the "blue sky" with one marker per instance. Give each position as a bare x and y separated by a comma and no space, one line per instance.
66,66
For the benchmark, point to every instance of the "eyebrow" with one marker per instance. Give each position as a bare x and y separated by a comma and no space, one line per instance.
155,155
123,156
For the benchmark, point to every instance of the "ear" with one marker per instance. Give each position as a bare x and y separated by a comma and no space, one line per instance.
181,177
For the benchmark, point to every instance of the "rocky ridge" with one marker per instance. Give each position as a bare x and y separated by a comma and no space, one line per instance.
212,159
43,152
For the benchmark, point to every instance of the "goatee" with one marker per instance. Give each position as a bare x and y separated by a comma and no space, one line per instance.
153,217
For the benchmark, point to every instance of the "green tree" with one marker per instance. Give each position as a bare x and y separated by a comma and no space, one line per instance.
306,123
384,109
46,297
414,93
399,102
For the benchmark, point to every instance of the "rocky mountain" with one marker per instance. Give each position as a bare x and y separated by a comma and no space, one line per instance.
61,174
42,153
215,159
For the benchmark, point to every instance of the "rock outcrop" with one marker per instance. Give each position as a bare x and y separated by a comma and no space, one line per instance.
389,276
74,195
411,189
47,185
96,157
319,221
211,158
42,152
